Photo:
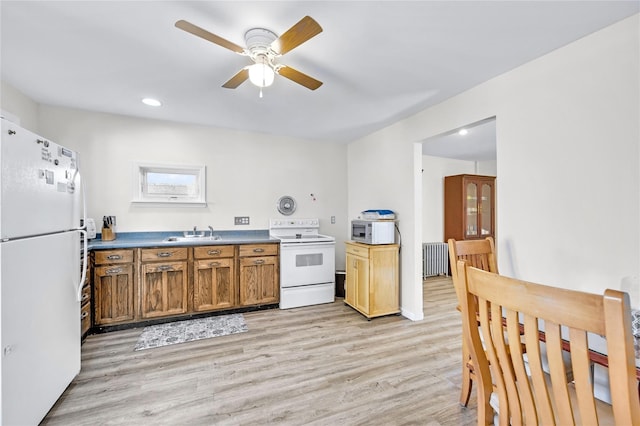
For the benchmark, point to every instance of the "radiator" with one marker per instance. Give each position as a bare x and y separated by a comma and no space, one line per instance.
435,259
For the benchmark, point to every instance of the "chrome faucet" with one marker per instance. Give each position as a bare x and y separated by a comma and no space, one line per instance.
211,231
194,230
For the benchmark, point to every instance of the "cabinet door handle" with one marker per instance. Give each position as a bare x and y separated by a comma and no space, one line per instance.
114,257
163,268
258,250
164,254
212,252
212,264
113,271
258,261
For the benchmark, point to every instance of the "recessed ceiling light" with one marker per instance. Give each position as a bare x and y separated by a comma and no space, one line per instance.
151,102
463,132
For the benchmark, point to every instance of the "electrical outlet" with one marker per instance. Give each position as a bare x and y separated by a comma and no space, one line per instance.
241,220
333,219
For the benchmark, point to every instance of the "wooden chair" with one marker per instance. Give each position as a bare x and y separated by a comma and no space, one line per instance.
547,398
480,254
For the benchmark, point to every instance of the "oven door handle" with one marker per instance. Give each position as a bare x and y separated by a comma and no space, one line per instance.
309,244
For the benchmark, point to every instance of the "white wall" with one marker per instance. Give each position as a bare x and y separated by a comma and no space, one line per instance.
381,170
246,172
568,165
19,106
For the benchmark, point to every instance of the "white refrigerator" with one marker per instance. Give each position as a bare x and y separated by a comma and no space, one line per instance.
40,273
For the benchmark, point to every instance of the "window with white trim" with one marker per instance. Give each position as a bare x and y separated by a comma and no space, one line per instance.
169,184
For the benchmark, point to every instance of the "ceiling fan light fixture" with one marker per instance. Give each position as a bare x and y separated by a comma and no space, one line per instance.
261,74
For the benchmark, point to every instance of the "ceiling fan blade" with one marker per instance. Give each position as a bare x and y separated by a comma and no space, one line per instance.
300,78
305,29
237,79
202,33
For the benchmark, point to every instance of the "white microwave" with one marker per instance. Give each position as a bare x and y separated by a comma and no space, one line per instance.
373,231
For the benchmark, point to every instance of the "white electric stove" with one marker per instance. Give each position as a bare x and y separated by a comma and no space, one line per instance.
307,262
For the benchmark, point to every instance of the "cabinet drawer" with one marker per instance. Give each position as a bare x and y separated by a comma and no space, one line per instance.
173,253
85,318
212,252
150,268
247,250
105,257
86,294
110,270
357,250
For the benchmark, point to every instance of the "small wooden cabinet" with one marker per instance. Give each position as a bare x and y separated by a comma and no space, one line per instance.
113,287
163,282
214,278
469,207
259,267
372,281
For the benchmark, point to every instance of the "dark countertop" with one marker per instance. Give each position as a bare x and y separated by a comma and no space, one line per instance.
155,239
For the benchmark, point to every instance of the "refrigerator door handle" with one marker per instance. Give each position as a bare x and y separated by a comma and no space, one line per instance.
84,198
83,274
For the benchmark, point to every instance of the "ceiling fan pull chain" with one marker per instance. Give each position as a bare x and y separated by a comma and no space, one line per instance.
261,93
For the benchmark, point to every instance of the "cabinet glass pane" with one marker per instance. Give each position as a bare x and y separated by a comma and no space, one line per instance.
472,210
485,210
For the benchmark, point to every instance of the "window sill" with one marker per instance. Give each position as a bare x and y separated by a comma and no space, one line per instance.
167,203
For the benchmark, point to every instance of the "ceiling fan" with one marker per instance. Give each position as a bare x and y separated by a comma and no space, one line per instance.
263,48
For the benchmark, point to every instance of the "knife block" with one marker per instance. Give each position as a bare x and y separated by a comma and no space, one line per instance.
108,234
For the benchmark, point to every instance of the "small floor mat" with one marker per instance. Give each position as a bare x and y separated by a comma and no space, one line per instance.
155,336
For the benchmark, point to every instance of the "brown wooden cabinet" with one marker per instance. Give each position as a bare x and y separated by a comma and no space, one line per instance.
372,281
163,282
113,283
469,207
85,302
214,278
259,267
133,285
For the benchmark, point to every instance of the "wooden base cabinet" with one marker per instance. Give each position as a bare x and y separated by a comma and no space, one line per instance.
85,301
113,287
372,282
163,282
135,285
214,278
259,267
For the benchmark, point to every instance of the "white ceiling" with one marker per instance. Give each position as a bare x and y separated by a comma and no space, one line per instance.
478,144
379,61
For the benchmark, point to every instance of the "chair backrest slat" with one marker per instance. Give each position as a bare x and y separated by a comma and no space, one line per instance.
527,308
558,375
582,376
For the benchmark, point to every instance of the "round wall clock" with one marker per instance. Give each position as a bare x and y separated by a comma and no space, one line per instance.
286,205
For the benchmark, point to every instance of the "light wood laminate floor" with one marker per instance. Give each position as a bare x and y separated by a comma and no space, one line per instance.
320,365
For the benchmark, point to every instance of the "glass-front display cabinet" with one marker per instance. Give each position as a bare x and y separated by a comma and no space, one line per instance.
469,207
